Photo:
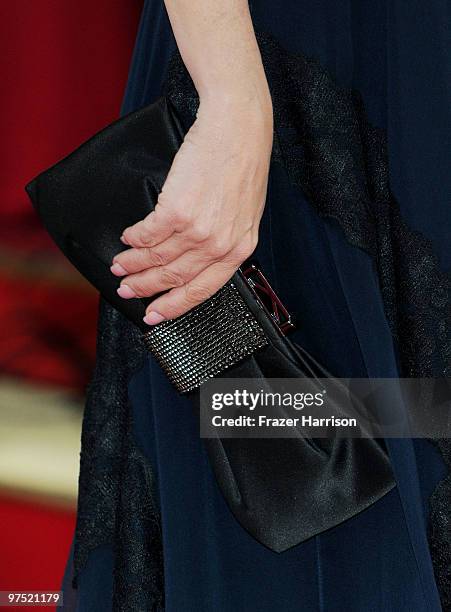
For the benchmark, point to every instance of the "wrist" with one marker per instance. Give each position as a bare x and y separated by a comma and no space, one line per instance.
251,102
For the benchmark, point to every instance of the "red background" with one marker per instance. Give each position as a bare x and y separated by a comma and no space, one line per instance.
64,68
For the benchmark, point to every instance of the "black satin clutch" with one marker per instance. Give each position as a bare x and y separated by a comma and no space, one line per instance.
283,491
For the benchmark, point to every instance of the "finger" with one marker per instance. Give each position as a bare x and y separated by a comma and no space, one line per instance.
180,300
152,230
162,278
136,260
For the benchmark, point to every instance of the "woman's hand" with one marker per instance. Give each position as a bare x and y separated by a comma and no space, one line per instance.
206,221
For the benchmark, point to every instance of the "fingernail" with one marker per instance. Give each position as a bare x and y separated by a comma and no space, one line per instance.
126,292
123,239
153,318
118,270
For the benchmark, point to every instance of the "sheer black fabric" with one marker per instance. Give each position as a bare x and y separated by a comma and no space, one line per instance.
116,504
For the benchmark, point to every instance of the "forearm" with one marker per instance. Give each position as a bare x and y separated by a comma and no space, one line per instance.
207,217
217,43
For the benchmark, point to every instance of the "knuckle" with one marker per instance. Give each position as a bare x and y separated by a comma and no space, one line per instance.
139,287
199,233
170,312
170,307
143,235
141,284
169,278
181,218
246,248
154,258
218,246
196,293
163,198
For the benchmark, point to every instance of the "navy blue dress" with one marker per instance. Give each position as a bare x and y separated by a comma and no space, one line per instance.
389,62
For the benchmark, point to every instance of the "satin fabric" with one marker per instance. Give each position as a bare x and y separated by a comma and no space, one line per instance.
395,54
278,503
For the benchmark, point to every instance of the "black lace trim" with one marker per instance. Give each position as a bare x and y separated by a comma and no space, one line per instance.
330,151
440,529
116,500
